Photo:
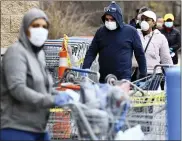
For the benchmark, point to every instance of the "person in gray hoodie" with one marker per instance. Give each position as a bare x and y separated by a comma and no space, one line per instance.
26,86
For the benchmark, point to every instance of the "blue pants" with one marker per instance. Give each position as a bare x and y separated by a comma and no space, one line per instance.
10,134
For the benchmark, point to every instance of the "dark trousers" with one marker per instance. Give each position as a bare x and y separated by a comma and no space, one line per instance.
9,134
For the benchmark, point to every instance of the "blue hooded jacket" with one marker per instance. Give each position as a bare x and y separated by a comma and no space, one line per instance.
116,48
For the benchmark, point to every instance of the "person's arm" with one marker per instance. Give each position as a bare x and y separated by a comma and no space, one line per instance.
139,54
176,46
164,52
92,52
15,71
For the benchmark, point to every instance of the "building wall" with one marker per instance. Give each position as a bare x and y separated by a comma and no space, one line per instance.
11,18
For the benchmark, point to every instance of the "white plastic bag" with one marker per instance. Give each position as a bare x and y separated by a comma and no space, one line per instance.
74,95
134,133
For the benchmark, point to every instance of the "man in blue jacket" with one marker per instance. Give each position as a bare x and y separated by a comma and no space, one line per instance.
115,43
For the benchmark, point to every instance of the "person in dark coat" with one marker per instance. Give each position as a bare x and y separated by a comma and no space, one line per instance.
133,22
173,36
115,43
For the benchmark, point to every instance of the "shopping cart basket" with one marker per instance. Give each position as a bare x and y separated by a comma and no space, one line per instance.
61,124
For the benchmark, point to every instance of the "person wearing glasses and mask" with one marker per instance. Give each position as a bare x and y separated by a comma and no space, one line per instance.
173,36
115,43
154,43
26,86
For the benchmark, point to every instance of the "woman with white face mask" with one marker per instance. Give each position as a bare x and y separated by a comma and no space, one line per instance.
26,91
154,43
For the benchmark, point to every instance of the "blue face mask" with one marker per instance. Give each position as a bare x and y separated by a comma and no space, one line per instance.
168,24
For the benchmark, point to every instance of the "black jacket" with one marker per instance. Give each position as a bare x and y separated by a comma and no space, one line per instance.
115,49
174,40
134,24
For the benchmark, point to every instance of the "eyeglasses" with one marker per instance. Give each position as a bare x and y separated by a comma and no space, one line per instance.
110,9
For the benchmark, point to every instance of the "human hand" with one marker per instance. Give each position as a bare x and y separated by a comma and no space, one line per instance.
61,98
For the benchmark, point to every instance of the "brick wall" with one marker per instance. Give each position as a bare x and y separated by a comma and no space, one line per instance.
11,17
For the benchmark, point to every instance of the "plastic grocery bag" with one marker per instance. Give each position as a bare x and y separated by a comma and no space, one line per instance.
134,133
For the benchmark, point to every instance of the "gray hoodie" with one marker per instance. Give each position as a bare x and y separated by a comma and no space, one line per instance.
26,86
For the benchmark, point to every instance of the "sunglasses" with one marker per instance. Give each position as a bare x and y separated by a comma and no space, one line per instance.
110,9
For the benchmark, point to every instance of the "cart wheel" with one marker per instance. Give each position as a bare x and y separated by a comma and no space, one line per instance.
110,79
70,77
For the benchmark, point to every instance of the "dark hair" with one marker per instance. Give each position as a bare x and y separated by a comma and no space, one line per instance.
137,10
143,9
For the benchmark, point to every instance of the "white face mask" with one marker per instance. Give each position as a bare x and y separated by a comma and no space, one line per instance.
144,26
110,25
159,25
38,36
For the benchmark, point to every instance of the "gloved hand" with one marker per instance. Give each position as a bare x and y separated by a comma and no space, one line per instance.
140,84
61,99
172,52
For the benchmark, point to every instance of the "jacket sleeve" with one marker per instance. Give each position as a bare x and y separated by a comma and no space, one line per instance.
178,42
92,52
164,52
139,54
15,71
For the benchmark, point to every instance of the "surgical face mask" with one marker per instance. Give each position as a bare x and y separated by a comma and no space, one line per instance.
144,26
38,36
168,24
110,25
159,25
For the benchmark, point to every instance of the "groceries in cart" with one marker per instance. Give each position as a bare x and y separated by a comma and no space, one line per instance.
100,103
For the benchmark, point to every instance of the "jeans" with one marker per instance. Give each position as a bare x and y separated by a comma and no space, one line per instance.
9,134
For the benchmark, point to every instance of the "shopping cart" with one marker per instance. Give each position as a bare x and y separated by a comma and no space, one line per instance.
103,123
92,121
152,120
149,109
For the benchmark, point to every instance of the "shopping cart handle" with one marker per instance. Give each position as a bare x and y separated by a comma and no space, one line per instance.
162,65
82,70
